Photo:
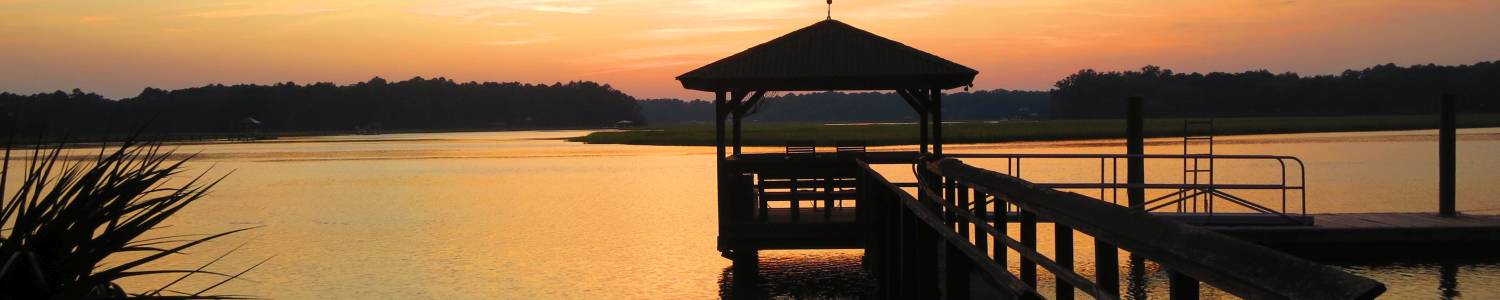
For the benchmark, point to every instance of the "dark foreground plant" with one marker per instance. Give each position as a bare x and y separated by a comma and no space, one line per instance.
66,217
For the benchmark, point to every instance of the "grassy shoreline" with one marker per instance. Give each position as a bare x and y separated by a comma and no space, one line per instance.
776,134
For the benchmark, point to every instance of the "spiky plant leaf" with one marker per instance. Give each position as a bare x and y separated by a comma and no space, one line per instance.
67,217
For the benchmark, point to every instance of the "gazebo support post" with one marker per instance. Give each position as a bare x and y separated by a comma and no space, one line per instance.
741,108
719,110
734,111
917,98
722,180
936,107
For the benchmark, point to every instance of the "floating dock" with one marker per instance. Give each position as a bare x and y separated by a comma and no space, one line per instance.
1379,235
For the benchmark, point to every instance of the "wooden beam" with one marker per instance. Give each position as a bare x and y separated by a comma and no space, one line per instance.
749,104
735,98
910,100
917,98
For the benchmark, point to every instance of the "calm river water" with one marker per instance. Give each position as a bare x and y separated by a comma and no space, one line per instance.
525,215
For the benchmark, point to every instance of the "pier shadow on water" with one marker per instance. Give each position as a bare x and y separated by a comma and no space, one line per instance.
829,274
837,274
1439,278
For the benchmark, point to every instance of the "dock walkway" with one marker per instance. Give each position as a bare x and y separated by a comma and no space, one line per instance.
1358,235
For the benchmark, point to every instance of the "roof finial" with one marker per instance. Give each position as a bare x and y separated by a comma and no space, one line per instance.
830,9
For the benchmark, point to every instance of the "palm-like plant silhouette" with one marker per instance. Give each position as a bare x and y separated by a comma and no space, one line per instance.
66,217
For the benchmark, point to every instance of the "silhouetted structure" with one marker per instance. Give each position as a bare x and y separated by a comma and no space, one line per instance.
922,247
829,55
1447,157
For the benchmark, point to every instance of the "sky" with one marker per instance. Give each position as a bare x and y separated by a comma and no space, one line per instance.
117,48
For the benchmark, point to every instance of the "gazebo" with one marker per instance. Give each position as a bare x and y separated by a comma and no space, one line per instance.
827,56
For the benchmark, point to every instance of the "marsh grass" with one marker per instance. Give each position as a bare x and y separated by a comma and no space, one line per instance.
73,227
777,134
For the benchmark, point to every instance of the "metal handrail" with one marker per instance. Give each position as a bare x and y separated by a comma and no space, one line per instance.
1112,184
1233,265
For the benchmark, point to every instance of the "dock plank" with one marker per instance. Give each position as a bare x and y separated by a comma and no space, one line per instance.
1378,234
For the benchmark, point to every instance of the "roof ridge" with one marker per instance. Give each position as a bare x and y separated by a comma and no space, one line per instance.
829,54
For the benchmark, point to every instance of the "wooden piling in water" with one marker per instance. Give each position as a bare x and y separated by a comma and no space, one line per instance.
1447,159
1135,144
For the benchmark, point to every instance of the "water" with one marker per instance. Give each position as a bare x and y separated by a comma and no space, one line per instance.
524,215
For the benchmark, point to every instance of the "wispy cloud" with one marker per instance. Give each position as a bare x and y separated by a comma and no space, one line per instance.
561,8
521,41
743,10
261,12
683,32
641,66
507,24
899,10
472,11
97,19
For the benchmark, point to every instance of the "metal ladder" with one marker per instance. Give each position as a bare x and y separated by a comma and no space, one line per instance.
1197,171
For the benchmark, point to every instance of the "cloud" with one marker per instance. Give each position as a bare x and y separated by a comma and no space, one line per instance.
745,10
507,24
261,12
682,32
97,19
561,8
523,41
475,11
641,66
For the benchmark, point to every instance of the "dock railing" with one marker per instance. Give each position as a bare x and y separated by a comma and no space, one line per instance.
1198,195
929,248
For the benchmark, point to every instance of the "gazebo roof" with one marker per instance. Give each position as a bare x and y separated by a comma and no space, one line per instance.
829,55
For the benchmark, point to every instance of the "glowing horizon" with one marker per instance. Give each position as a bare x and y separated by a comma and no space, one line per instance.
638,46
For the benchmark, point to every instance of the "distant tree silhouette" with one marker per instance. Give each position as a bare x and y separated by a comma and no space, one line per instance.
857,107
441,104
415,104
1380,90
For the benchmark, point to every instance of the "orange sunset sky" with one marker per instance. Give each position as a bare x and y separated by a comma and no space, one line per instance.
117,48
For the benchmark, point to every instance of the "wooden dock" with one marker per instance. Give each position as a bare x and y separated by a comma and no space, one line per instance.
1379,235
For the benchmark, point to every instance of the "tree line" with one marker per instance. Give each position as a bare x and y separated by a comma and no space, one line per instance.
442,104
415,104
857,107
1380,90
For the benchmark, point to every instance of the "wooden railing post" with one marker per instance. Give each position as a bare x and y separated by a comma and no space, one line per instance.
1028,239
955,273
948,204
909,254
1182,286
897,245
1062,237
929,248
1002,226
981,240
1107,267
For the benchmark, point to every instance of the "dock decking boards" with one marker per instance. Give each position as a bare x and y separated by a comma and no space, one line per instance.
1363,235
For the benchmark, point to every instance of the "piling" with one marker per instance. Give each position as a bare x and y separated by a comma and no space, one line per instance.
1447,146
1135,145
